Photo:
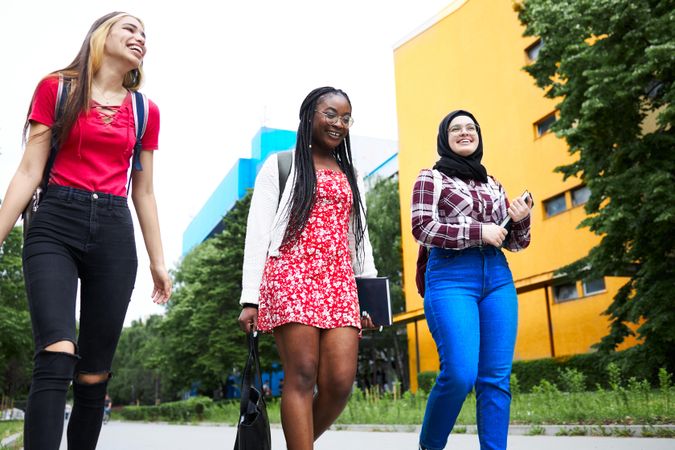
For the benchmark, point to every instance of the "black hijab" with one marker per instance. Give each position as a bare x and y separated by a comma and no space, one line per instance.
453,165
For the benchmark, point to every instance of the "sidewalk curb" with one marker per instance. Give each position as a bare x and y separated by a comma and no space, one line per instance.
8,440
573,429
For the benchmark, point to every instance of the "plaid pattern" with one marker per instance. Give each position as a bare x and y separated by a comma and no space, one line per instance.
462,208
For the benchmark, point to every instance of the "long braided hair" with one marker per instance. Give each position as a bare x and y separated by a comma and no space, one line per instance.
304,183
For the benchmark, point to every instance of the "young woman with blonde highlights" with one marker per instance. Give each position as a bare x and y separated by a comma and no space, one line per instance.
83,227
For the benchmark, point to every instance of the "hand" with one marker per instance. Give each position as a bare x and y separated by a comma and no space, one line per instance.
519,209
248,319
493,234
162,289
366,321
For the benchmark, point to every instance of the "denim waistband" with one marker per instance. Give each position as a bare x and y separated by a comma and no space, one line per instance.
68,193
487,250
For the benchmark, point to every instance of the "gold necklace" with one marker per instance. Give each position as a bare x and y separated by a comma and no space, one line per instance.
107,99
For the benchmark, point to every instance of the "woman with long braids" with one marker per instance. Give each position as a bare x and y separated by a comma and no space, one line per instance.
303,249
83,227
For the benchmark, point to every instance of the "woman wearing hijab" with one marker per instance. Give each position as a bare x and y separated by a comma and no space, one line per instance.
470,300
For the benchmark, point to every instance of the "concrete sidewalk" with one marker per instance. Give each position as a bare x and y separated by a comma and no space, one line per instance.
152,436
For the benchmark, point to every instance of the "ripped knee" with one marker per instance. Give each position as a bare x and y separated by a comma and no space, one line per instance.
92,378
61,347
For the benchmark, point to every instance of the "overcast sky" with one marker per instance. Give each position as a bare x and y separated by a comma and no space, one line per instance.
218,72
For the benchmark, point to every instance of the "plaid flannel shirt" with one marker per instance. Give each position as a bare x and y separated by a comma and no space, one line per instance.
462,208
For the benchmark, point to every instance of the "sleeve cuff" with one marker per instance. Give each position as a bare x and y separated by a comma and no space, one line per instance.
249,296
523,224
475,233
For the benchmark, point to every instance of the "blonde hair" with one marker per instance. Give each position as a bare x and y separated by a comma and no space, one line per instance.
80,73
132,81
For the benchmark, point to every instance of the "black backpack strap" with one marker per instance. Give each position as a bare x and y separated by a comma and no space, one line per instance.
59,105
140,108
284,163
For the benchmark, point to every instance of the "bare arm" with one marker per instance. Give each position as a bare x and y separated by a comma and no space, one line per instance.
27,177
143,196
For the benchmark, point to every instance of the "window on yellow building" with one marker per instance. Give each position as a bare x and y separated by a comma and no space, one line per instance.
565,292
533,50
555,205
544,125
580,195
594,286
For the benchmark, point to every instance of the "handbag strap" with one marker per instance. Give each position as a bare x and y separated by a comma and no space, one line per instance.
251,369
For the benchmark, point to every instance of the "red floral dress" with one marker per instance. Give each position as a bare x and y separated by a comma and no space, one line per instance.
312,281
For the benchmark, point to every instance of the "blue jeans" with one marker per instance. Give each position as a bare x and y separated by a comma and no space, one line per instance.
472,311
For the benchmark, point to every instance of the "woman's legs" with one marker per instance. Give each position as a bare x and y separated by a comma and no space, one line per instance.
498,325
108,274
51,282
298,347
75,234
453,321
314,357
338,351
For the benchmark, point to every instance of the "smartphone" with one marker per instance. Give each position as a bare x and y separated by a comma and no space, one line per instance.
525,196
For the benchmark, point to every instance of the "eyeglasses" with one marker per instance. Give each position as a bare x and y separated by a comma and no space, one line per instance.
332,118
456,130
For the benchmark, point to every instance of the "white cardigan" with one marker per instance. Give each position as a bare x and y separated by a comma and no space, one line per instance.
266,226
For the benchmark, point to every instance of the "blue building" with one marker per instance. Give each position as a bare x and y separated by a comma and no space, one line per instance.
373,157
209,220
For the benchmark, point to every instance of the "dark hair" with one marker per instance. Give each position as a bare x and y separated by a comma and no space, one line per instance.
79,74
304,183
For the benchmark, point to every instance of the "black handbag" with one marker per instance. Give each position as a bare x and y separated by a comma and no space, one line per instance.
32,207
253,429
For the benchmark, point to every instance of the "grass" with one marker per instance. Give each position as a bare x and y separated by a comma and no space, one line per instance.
624,402
536,430
550,406
9,427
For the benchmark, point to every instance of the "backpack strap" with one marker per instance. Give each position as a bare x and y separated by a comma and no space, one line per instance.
139,104
284,163
59,105
438,187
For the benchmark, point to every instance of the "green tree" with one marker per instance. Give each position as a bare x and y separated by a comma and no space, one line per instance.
384,228
16,344
201,343
611,65
380,350
138,378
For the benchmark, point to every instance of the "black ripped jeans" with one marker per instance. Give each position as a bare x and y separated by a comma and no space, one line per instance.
87,236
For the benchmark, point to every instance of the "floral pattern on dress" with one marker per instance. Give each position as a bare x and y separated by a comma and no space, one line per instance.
312,281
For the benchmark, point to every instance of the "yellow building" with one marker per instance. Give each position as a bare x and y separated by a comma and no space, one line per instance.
471,57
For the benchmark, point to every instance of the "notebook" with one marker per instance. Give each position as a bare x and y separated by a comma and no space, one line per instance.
374,299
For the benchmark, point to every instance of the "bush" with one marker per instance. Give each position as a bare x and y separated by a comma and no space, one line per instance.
630,363
572,380
188,410
426,380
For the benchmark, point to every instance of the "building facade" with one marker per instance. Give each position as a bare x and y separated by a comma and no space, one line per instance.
471,56
373,157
